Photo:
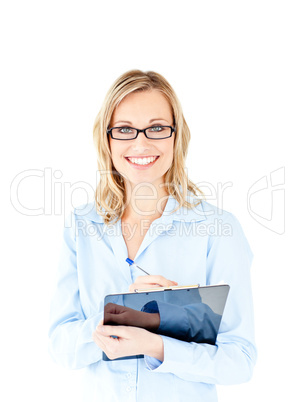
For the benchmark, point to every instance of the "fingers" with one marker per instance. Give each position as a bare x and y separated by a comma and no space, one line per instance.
105,331
155,279
134,287
98,339
129,341
151,281
102,337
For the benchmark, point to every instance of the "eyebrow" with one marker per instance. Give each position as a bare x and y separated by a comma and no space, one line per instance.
129,122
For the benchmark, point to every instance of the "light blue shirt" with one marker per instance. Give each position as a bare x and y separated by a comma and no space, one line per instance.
204,245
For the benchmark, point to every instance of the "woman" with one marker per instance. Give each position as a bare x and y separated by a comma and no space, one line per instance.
147,209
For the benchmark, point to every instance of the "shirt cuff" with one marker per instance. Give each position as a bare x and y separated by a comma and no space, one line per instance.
175,352
152,363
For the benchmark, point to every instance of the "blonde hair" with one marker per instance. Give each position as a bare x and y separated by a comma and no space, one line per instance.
110,191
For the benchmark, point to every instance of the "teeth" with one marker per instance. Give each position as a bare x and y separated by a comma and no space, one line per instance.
142,161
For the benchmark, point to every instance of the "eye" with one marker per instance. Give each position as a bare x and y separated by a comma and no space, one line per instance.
125,130
156,128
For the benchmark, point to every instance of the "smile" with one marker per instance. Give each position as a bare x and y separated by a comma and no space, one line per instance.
140,162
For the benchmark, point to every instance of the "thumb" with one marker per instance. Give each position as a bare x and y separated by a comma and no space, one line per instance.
100,322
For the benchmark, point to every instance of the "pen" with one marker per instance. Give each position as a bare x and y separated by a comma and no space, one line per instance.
130,262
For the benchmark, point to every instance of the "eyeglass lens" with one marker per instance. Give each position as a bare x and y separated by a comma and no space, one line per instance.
152,132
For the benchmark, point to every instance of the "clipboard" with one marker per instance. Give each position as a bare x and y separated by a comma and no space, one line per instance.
187,313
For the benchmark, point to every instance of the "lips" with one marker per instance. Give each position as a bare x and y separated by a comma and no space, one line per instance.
142,156
137,166
129,158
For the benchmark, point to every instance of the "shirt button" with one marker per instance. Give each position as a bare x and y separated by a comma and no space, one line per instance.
129,375
128,389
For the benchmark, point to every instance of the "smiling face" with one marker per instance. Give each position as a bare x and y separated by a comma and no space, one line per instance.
141,110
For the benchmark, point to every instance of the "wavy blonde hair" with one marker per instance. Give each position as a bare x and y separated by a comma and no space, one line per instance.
110,192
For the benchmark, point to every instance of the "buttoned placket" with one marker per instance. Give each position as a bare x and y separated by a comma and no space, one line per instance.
130,383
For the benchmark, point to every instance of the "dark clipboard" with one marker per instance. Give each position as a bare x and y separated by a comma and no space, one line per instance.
188,313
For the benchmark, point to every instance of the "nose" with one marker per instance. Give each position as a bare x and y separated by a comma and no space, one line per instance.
141,142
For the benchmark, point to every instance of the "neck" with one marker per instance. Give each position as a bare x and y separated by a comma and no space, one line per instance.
145,201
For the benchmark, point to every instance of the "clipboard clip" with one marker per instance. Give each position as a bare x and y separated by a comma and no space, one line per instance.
161,288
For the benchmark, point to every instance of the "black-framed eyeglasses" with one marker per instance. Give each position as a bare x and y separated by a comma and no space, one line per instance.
130,133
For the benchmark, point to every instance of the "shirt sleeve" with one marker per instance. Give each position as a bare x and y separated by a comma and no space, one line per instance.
70,334
232,358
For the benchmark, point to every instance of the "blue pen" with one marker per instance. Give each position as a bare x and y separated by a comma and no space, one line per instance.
130,262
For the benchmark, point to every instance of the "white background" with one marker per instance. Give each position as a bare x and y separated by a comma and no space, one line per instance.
232,66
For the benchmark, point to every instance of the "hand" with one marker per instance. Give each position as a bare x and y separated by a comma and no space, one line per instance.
116,314
131,341
150,281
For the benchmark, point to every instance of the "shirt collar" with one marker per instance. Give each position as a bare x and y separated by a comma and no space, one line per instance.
196,214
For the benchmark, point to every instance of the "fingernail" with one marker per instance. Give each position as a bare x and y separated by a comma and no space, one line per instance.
101,328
